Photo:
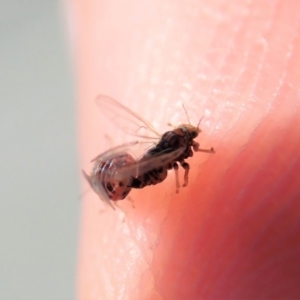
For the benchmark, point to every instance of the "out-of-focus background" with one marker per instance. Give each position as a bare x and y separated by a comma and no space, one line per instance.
39,194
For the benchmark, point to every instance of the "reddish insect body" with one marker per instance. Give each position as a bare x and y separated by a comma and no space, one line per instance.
110,177
106,172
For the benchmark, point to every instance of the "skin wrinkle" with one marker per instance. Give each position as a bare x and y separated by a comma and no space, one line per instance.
271,150
263,166
268,160
268,28
215,30
290,45
246,56
238,115
209,40
227,53
224,63
257,78
219,63
270,53
270,22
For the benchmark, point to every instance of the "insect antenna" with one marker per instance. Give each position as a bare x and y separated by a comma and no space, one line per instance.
187,116
200,121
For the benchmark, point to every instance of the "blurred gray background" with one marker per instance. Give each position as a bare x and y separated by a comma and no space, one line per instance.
39,194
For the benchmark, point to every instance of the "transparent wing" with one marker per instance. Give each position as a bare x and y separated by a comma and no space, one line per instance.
149,163
115,151
125,118
98,190
142,166
105,156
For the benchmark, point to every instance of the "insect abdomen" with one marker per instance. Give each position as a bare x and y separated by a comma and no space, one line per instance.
106,172
152,177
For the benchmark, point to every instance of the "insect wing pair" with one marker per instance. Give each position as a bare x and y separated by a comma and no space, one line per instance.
126,119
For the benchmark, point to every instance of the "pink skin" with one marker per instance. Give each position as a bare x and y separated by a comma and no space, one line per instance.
234,231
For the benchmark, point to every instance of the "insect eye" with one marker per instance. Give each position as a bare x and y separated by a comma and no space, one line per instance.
194,134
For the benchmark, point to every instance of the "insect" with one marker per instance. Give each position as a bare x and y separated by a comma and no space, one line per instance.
174,146
115,170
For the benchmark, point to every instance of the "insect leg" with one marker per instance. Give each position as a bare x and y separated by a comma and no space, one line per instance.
186,167
131,201
197,149
175,167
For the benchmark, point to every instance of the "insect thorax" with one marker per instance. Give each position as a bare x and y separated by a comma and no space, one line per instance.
170,141
175,139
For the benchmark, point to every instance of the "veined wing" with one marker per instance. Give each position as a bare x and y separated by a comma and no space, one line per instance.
114,152
108,155
150,163
132,169
98,189
125,118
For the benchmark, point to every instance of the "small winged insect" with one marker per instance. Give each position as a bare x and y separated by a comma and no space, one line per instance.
115,170
169,149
